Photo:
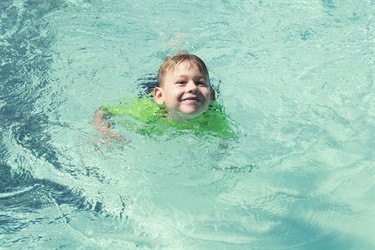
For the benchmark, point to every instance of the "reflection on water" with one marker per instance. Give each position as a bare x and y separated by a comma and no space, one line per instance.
299,176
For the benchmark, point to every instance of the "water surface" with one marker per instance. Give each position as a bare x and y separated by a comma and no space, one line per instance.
297,78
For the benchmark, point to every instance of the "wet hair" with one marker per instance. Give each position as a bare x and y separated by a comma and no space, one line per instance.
171,62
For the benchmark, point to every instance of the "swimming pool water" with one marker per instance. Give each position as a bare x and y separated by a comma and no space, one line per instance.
297,79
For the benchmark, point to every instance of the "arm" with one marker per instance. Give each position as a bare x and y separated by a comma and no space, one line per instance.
105,128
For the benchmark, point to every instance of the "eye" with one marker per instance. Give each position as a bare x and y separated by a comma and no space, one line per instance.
201,83
200,80
181,82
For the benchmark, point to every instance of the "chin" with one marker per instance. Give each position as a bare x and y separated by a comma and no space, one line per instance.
186,114
192,115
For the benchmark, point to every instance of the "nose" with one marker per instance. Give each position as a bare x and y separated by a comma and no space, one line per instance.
191,86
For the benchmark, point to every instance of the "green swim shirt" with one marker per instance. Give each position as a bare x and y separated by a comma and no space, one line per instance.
145,117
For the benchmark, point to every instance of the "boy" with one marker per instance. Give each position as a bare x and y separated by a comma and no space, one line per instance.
184,87
183,94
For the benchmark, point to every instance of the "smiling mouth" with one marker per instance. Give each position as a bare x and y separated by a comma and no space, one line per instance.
192,99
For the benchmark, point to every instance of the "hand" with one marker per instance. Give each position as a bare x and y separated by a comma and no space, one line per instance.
105,128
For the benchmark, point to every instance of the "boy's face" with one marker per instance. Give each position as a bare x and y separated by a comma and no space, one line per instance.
185,92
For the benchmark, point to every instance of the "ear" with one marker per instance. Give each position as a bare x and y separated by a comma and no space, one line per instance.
158,95
212,95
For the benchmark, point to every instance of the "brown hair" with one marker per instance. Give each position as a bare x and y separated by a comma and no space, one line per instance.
171,62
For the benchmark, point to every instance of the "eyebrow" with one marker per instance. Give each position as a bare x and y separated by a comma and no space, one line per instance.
198,76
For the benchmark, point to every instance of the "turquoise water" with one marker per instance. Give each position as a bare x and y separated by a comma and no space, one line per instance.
297,78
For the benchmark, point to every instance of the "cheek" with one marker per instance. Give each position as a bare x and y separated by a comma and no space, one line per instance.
205,92
173,94
176,92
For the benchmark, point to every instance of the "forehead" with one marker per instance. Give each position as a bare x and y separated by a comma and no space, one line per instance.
183,66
